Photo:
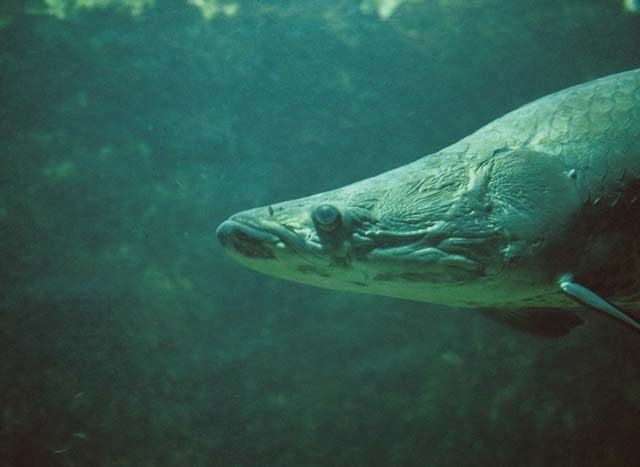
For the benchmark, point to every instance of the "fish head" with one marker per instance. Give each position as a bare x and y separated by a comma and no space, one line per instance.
439,230
396,234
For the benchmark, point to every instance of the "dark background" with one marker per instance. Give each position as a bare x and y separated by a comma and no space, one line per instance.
127,338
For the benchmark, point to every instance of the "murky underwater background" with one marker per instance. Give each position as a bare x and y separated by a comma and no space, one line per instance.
129,129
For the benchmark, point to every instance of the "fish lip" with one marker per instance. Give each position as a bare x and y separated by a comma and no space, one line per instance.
255,237
231,227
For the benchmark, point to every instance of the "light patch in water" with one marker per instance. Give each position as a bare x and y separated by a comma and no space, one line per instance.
383,8
632,6
59,170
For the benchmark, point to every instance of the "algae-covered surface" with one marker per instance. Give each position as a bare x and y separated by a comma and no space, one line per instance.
131,128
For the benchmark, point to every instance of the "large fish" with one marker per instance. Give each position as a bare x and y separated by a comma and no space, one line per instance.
526,219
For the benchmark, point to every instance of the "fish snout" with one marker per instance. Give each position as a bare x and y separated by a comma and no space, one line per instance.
225,233
246,240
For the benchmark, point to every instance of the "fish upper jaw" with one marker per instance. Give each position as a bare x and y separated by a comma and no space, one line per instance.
247,240
255,235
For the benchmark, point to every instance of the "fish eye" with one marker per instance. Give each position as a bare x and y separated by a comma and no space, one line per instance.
326,217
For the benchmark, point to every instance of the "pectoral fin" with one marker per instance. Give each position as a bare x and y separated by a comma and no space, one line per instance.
594,301
544,322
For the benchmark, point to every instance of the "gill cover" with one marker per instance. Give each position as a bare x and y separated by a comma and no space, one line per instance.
534,196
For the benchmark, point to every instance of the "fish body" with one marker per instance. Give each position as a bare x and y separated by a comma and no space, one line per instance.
532,212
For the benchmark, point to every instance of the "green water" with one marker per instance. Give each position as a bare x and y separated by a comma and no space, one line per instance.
129,130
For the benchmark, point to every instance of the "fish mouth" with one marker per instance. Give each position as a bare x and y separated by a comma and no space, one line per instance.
246,240
255,238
